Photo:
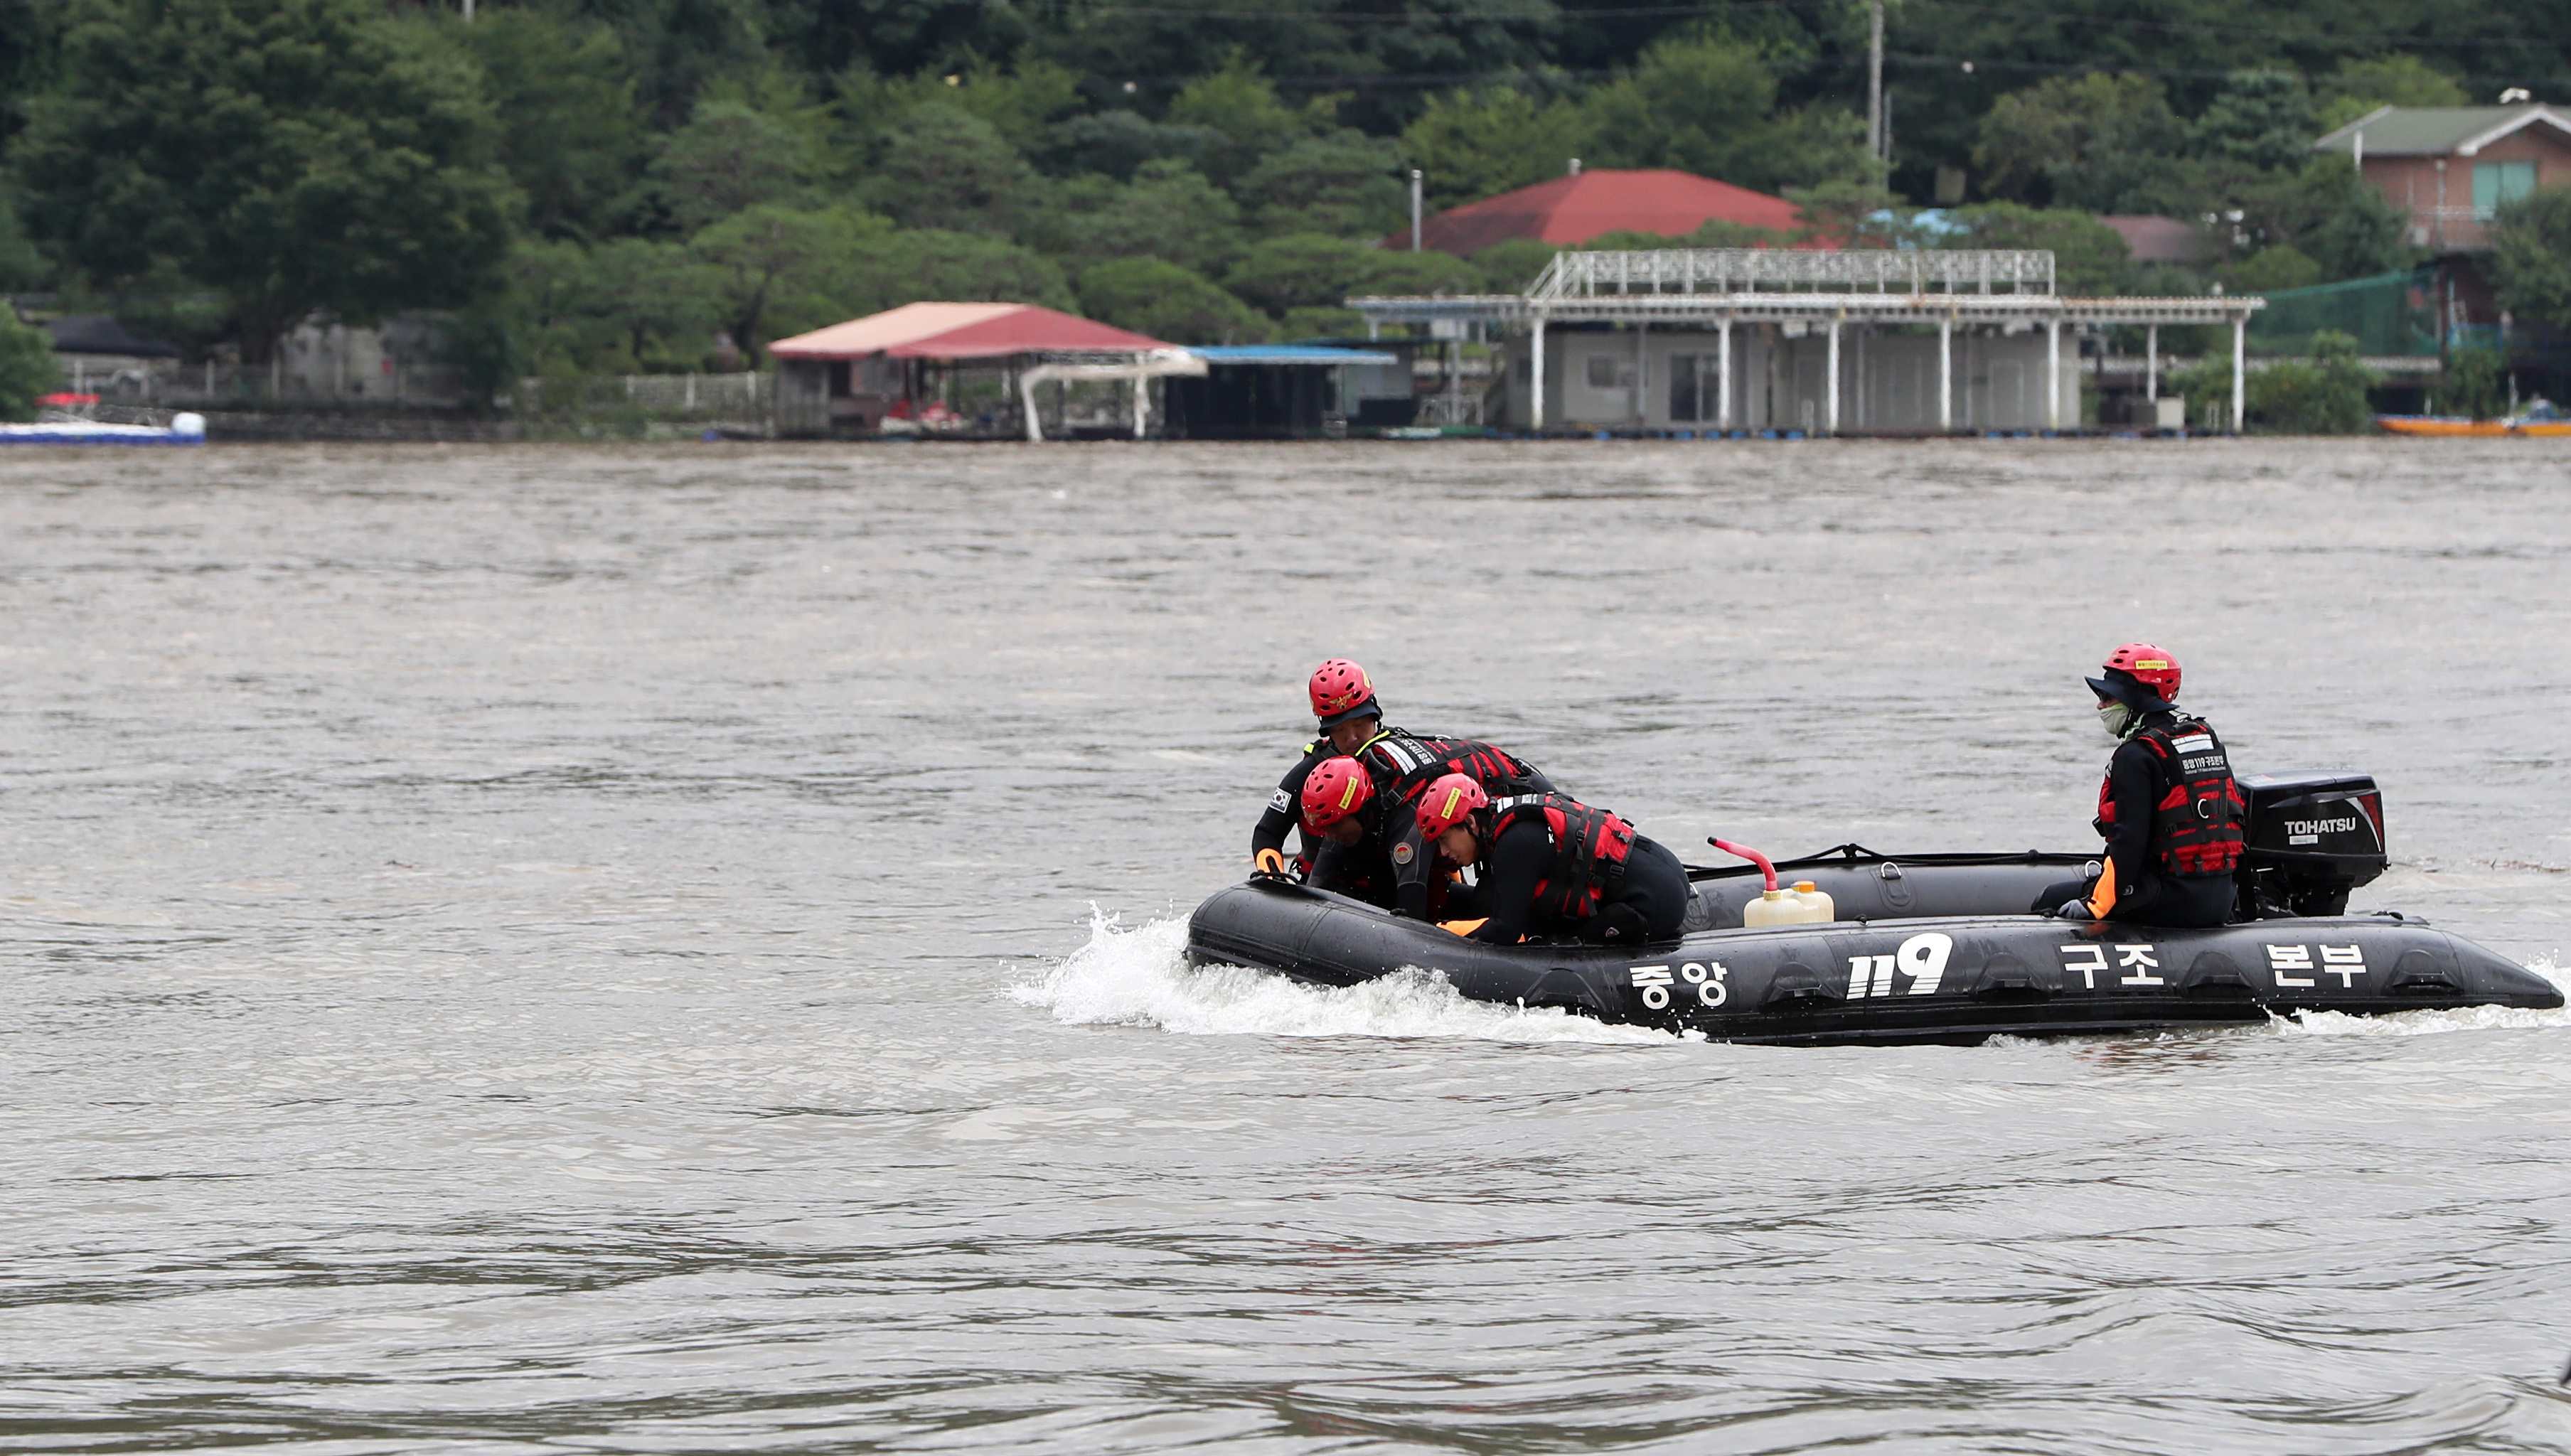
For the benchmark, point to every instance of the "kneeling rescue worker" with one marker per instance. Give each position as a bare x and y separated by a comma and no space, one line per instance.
1344,701
1552,865
1343,815
2170,811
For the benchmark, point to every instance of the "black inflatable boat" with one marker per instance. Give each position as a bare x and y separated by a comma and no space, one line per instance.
1938,947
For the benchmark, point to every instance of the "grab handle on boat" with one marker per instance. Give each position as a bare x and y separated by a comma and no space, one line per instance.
1744,851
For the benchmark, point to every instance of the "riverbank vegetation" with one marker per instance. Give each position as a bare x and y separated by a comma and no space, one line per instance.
637,186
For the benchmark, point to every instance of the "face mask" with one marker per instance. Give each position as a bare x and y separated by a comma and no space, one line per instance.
2114,715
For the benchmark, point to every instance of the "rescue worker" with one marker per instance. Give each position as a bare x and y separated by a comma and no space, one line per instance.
2169,809
1402,764
1341,814
1343,703
1552,865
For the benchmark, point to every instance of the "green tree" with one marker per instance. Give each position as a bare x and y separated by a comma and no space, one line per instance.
1709,105
1345,183
1119,142
27,366
731,156
2098,143
1169,211
2323,395
2359,86
2530,259
296,154
2476,385
2326,213
1477,144
1240,104
776,271
629,305
1299,269
1166,301
1511,267
926,263
943,166
2261,121
571,131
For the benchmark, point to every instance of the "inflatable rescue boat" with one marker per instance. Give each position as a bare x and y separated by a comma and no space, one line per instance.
1938,947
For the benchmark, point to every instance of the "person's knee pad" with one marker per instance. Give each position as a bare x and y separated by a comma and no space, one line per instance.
1618,925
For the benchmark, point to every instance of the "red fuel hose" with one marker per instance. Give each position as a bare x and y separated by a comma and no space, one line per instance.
1744,851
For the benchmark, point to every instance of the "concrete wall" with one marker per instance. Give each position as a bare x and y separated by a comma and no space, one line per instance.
1647,379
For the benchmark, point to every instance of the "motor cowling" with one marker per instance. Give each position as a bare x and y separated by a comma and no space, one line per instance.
2313,837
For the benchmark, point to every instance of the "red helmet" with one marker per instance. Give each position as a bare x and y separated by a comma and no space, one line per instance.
1340,691
2154,669
1447,803
1335,790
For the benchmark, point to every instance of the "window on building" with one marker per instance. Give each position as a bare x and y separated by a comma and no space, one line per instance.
1605,371
2495,182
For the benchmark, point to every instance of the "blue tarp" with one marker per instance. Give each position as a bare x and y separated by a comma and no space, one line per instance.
1288,353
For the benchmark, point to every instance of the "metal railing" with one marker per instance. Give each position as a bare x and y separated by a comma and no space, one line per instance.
749,395
215,385
1774,270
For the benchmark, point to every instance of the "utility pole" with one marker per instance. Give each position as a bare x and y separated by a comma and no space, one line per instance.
1415,205
1873,82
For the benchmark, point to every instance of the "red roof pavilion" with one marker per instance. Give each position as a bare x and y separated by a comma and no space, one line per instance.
1572,209
961,331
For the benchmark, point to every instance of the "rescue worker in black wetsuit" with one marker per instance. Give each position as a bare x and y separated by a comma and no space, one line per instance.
1550,867
1343,817
1344,701
2169,808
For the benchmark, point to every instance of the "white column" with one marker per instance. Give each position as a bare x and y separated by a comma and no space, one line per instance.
2240,374
1830,410
1722,373
1946,375
1641,376
2152,362
2053,374
1141,403
1535,406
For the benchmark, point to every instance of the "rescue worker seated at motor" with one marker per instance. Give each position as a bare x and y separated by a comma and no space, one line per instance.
1550,865
1401,766
2169,808
1341,809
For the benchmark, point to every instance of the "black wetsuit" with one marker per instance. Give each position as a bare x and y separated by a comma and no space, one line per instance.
1652,892
1403,764
1286,806
2145,894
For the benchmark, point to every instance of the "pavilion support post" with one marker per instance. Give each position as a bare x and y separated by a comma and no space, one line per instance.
1141,403
1722,374
2240,374
1535,404
1831,395
1946,375
1035,421
2152,362
1641,376
2053,374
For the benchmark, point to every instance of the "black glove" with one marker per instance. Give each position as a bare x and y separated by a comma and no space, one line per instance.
2073,910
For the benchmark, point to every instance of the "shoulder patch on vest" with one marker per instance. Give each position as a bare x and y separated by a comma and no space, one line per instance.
1402,853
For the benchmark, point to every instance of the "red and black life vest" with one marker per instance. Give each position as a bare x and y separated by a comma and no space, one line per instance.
1404,764
2197,809
1589,850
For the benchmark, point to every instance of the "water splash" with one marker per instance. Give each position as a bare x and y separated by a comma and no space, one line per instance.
2430,1023
1141,978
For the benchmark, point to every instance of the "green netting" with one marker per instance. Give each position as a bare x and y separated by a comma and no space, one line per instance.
2390,313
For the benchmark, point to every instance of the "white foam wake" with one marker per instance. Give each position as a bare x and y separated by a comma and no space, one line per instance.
2429,1023
1142,978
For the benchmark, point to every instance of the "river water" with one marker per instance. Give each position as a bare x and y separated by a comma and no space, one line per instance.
677,950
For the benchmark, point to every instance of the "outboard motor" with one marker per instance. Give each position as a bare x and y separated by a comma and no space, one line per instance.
2312,837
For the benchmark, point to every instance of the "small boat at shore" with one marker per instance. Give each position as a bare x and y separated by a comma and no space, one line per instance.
2539,420
1937,947
66,420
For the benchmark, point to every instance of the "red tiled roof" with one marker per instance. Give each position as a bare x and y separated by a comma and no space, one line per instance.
1572,209
961,331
